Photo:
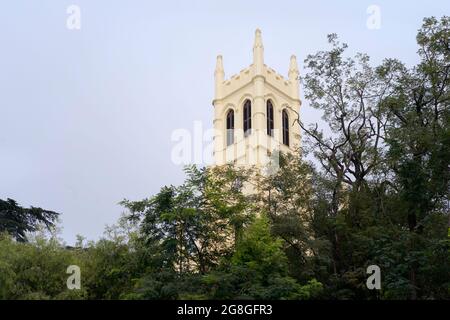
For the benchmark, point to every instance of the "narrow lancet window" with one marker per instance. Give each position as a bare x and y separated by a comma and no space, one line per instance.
247,117
285,123
230,127
269,114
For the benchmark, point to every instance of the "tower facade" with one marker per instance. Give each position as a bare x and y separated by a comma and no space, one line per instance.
255,112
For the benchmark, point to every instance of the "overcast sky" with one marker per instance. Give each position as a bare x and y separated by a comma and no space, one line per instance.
86,116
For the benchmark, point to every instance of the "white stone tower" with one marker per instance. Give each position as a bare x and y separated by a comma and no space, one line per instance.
254,111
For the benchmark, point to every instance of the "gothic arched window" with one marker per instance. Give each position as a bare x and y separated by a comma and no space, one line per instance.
247,117
230,127
269,114
285,123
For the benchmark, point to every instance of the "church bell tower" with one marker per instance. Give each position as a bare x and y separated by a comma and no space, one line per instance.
255,112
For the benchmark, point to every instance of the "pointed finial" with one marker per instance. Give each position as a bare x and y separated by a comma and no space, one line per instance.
258,52
293,76
293,67
219,64
219,76
258,39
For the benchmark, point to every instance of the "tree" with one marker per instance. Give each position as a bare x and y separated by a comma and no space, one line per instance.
287,197
383,185
350,92
258,269
419,134
418,139
17,221
36,270
187,229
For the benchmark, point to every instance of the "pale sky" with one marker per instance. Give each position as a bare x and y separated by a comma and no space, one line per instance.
86,116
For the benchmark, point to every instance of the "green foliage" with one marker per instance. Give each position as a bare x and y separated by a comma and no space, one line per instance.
383,185
17,221
258,270
34,270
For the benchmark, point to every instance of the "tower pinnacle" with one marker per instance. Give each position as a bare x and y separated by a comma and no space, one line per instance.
219,65
293,67
293,76
258,52
219,76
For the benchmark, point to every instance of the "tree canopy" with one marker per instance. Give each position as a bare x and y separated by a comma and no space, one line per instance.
17,221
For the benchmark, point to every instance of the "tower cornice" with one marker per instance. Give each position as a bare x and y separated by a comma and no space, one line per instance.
274,85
